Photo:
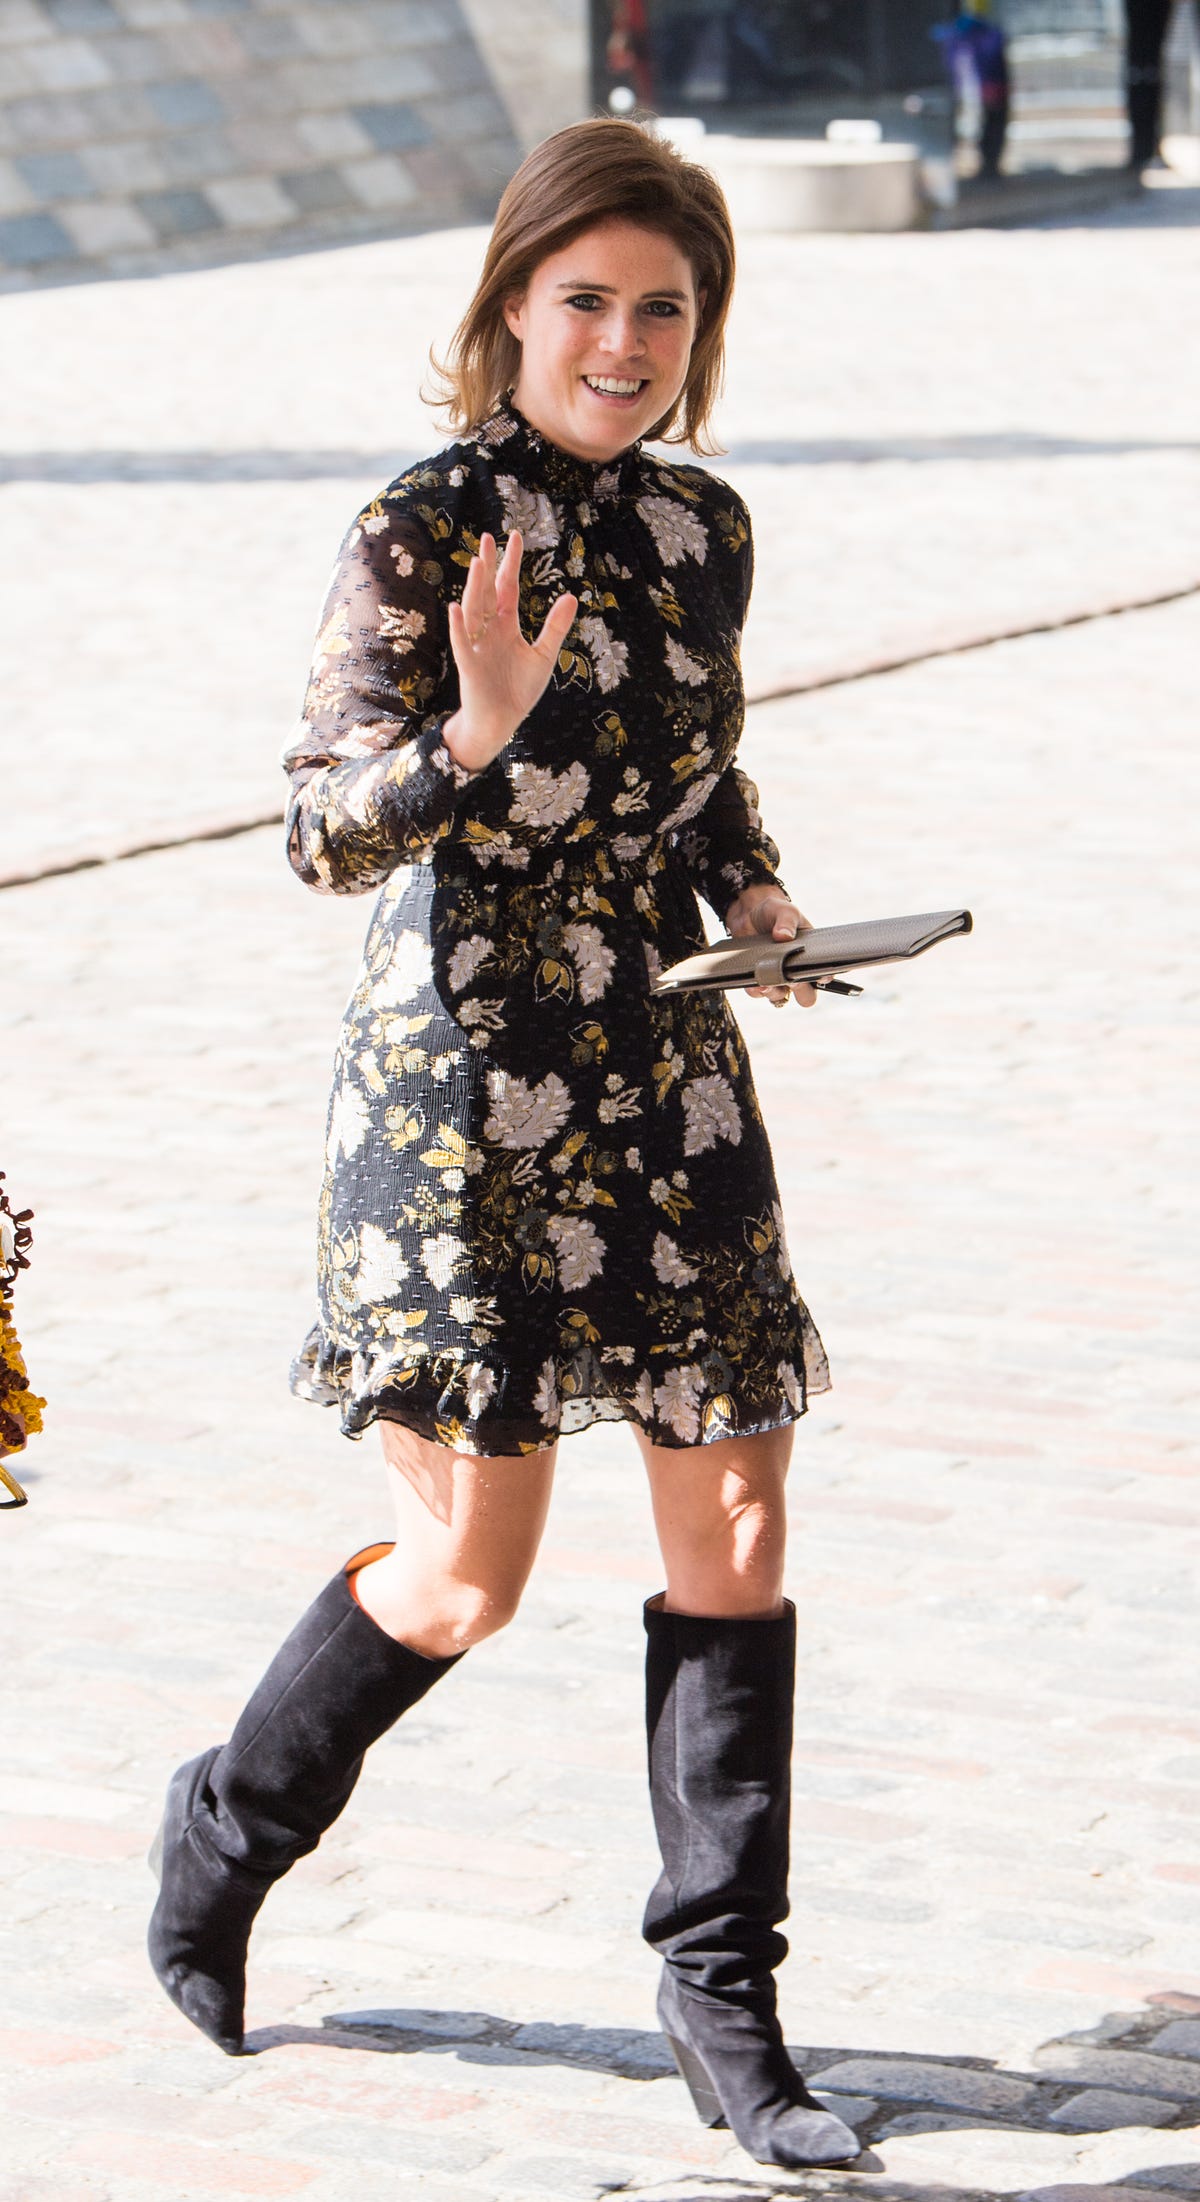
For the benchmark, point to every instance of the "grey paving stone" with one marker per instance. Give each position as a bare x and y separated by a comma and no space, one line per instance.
1131,2191
409,2148
316,190
1180,2039
1099,2109
393,126
1175,2178
178,213
1121,2069
55,175
196,156
136,165
186,103
83,15
30,240
66,64
909,2080
136,59
270,37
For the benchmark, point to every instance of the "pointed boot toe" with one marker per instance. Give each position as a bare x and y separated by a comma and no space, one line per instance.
801,2139
738,2072
200,1927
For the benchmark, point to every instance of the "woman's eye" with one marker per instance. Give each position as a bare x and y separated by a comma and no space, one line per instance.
590,302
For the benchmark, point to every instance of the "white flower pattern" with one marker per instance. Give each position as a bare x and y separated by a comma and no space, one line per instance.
548,1195
610,658
382,1267
669,1265
711,1112
523,1115
467,958
544,798
677,532
580,1250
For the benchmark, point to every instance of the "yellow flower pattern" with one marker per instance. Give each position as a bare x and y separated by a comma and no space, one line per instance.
548,1198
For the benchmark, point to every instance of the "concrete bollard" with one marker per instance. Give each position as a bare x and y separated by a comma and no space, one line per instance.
809,183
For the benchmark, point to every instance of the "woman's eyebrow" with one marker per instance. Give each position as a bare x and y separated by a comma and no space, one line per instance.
610,289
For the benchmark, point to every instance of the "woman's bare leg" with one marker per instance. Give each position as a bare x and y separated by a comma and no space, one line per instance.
722,1526
467,1534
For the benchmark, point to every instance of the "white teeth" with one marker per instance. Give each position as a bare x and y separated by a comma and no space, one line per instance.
611,385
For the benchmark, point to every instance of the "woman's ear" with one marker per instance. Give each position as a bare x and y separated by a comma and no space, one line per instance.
514,314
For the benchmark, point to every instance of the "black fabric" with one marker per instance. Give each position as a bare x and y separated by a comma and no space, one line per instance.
333,1688
239,1815
719,1725
719,1698
1145,33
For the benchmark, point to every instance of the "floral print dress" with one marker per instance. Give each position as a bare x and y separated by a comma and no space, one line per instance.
548,1197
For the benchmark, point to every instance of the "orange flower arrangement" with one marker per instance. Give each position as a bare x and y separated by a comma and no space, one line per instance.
20,1408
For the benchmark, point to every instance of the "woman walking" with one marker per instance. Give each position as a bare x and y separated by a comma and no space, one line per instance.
549,1197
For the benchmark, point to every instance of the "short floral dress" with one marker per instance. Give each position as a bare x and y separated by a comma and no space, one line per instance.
548,1197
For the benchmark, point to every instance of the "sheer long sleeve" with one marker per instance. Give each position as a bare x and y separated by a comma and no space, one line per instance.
373,782
726,846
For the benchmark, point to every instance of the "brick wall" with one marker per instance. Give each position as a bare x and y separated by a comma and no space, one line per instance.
140,134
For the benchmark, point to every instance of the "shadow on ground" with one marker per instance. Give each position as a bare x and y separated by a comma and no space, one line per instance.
1133,2069
334,464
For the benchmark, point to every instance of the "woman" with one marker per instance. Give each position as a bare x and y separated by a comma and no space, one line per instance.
549,1197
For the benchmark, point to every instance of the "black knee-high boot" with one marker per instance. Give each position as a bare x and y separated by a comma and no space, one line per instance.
719,1724
239,1815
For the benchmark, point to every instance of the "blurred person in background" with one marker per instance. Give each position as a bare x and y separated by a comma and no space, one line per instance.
709,52
1145,36
549,1197
976,55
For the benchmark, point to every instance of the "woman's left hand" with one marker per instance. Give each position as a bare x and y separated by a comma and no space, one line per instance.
765,909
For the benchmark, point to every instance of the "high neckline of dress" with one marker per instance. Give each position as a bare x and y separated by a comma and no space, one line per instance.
564,473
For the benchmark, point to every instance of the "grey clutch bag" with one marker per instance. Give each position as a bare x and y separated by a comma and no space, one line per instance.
817,956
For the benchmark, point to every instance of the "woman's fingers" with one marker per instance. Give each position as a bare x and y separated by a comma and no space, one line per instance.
556,626
507,575
479,595
787,921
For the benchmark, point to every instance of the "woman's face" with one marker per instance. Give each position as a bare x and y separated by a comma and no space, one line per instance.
606,328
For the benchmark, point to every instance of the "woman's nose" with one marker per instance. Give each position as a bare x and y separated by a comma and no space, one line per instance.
625,339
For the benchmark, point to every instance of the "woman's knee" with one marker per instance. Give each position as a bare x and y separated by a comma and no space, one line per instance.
722,1523
468,1613
736,1569
435,1614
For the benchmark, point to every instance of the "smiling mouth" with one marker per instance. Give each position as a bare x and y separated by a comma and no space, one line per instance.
615,386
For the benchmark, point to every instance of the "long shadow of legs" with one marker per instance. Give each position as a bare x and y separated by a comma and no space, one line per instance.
1133,2069
476,2037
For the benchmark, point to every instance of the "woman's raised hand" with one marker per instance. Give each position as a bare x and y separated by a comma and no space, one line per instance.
500,675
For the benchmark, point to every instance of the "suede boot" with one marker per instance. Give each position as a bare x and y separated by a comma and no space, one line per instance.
239,1815
719,1699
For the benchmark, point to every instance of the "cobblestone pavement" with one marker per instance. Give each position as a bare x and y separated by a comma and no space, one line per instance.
988,1167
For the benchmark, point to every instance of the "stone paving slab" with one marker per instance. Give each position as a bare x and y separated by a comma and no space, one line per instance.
940,438
989,1174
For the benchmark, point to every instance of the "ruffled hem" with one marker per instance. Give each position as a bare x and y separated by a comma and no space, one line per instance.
465,1404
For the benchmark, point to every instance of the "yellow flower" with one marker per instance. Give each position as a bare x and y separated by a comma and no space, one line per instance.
20,1409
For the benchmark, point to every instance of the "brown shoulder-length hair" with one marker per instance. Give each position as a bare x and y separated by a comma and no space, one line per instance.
598,171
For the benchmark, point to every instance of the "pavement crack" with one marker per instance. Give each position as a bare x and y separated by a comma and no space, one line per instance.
777,692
